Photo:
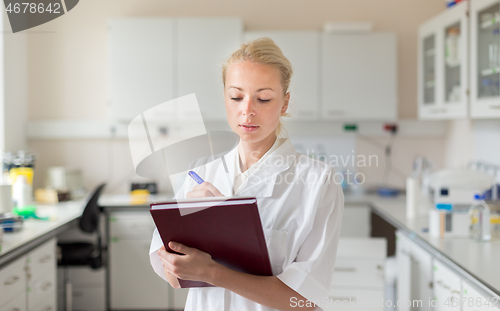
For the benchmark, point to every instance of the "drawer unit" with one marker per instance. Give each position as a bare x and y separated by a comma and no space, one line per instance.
38,290
473,299
42,259
354,300
89,298
358,273
12,280
16,304
447,288
48,304
131,225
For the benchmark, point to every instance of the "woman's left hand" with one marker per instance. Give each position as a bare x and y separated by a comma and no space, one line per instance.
194,265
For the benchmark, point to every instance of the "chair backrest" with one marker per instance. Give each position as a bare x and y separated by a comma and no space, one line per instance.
89,221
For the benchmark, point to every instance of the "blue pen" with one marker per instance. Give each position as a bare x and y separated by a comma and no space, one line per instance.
196,178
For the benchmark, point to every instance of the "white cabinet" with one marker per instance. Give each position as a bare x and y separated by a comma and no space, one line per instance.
133,283
87,287
13,282
442,65
302,50
140,65
446,288
202,46
485,58
359,77
29,282
356,221
414,274
473,299
358,278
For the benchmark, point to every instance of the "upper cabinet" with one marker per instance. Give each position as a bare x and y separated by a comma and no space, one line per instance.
485,58
451,83
140,65
359,76
203,45
301,48
154,60
442,65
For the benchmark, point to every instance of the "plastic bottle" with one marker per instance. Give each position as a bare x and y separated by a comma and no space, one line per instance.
479,220
21,191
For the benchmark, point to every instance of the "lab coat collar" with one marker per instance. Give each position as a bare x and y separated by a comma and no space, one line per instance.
260,183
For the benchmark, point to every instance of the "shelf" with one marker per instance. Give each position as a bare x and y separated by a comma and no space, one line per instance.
490,22
490,71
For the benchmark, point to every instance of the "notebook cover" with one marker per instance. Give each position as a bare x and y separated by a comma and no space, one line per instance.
230,231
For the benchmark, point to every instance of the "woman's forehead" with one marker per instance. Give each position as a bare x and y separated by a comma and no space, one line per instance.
246,74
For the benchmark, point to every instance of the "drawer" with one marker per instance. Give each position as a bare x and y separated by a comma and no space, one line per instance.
354,300
12,280
358,273
42,259
38,290
131,225
89,299
16,304
87,276
50,304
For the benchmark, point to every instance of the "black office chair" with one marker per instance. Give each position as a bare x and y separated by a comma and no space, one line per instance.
83,253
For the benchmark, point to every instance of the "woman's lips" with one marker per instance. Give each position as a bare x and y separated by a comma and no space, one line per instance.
249,128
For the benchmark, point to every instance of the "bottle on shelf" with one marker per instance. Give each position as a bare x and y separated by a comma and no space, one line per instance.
479,220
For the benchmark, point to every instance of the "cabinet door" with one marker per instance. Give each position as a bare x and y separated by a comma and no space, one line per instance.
203,45
485,58
133,283
446,288
359,77
473,299
442,65
140,65
404,281
16,304
12,280
421,276
301,49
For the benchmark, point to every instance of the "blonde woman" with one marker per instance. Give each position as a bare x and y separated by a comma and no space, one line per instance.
299,203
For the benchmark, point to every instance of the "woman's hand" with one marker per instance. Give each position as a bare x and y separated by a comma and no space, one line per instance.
204,190
194,265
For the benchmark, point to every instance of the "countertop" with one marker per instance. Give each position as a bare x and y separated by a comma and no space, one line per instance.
475,261
37,231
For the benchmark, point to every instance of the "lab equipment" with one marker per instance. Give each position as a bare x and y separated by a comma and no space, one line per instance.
196,178
479,220
448,223
21,191
5,198
66,179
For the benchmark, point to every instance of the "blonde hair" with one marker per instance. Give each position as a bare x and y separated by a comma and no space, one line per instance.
263,51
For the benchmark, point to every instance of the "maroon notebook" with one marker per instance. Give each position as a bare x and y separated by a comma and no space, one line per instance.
230,231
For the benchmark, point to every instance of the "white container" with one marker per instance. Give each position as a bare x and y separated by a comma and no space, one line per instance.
21,191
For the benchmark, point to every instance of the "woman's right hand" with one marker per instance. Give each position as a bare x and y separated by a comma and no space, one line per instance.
204,190
172,280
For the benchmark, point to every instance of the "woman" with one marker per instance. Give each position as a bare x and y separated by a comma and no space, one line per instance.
299,203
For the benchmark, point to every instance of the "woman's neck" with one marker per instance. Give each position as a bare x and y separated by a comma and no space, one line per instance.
250,153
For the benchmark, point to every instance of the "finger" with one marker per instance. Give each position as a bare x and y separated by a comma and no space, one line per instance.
180,248
215,192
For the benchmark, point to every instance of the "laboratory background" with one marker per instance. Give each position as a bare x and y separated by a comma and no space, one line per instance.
402,97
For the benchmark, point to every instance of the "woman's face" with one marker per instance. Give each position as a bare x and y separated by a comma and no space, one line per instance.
254,100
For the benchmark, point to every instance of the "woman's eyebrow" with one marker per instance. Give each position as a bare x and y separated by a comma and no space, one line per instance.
240,89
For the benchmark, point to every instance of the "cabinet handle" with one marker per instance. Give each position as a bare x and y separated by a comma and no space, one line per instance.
455,291
48,308
379,267
15,309
345,269
44,259
12,280
431,285
46,286
438,110
494,106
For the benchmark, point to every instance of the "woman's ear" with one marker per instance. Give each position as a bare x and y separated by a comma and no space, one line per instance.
285,103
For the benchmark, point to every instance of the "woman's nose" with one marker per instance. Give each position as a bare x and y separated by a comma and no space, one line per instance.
248,107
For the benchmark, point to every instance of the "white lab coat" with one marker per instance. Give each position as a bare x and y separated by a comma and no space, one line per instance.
301,211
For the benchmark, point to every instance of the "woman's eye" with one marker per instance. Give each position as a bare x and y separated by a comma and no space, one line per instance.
236,98
264,100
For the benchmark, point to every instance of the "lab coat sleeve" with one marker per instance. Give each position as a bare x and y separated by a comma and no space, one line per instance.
311,273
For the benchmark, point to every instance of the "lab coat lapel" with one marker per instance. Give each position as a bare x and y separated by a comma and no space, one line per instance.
260,184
